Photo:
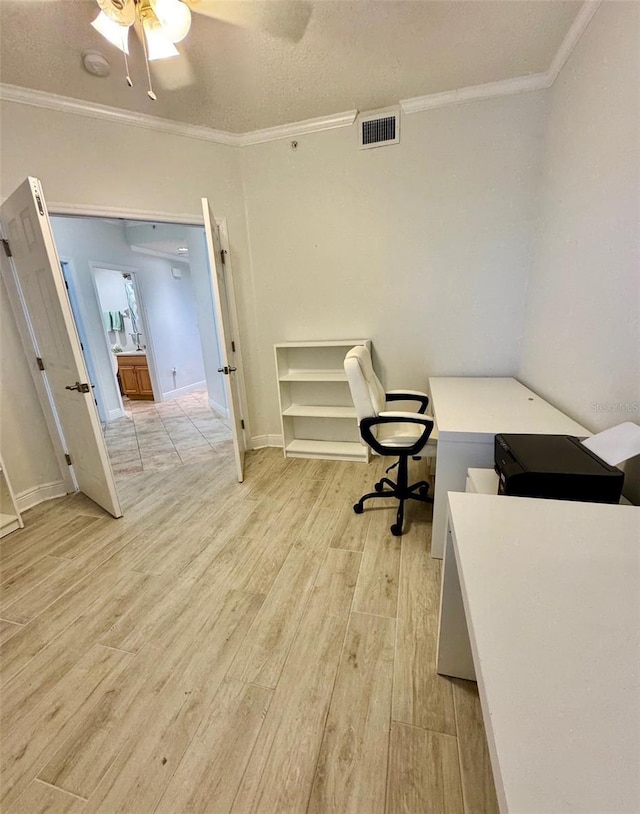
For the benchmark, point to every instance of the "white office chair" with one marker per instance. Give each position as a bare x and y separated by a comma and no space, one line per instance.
405,434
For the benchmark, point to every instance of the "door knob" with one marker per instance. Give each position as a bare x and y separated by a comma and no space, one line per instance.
81,388
226,370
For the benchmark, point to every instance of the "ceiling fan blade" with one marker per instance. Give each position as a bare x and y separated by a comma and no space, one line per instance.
286,19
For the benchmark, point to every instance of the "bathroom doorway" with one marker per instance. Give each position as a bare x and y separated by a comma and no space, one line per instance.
128,342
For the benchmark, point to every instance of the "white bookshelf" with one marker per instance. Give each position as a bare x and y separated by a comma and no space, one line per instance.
10,519
316,410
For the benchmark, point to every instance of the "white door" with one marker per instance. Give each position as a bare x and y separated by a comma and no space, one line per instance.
40,283
227,353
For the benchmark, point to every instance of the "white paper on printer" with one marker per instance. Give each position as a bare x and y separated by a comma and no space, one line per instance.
616,444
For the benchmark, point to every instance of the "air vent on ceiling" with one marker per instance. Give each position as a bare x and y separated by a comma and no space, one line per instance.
378,128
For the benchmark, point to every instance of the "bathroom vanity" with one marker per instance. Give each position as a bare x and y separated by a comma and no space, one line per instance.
133,372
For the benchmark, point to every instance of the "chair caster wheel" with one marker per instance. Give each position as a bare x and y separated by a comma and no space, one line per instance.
357,508
378,486
396,530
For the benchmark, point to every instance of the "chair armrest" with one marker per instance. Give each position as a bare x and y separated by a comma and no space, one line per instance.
409,395
396,417
420,418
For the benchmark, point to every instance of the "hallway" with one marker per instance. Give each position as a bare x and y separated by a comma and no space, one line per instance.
157,436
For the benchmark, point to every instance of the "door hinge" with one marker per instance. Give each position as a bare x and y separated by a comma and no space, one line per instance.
233,346
242,423
40,363
67,458
222,254
7,247
39,203
66,285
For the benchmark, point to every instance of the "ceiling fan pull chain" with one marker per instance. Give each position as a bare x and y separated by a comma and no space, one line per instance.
126,67
150,92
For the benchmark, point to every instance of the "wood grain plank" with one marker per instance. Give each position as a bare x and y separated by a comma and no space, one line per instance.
82,760
39,798
478,788
138,776
107,591
24,750
8,629
48,537
29,579
336,582
42,656
280,773
351,529
424,776
352,766
420,696
377,588
209,775
262,655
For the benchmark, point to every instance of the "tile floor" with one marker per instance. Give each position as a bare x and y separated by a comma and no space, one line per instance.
161,435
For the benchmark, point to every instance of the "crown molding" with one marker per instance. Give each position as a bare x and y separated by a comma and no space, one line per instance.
504,87
417,104
519,84
65,104
302,128
577,29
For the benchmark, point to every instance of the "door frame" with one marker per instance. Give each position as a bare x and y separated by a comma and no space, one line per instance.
58,208
95,265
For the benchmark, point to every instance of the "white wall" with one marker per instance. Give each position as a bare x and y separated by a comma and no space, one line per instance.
423,247
170,306
582,345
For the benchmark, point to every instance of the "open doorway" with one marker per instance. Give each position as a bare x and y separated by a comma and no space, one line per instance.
142,301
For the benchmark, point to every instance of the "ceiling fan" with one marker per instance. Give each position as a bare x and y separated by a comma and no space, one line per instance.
163,23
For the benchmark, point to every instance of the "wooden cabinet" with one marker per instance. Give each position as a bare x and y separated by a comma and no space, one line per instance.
134,376
316,410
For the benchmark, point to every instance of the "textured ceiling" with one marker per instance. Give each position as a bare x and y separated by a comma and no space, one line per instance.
355,54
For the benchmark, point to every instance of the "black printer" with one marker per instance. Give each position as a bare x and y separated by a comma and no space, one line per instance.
554,466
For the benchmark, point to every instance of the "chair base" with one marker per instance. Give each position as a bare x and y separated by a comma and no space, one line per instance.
401,490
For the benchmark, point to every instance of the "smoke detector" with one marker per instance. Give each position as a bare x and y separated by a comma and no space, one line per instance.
95,63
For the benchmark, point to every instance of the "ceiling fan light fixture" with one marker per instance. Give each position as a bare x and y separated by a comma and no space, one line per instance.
159,46
174,17
115,33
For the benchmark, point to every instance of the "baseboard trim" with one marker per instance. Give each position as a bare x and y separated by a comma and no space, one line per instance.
114,414
184,391
38,494
224,412
260,441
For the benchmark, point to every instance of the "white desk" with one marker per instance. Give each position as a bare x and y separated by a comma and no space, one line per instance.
469,413
540,598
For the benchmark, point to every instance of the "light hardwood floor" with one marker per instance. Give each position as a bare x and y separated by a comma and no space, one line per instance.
230,647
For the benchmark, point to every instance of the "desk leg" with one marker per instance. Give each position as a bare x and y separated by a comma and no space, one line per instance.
454,650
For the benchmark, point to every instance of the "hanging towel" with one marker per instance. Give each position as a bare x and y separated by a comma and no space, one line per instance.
106,320
117,323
